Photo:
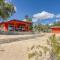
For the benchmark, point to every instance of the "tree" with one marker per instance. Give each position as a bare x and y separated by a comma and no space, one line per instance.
6,9
35,27
41,28
56,23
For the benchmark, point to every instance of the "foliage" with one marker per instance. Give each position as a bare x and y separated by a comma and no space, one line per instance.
30,27
36,51
56,24
41,27
6,9
55,47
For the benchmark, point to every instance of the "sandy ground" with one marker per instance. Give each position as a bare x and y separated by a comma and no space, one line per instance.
18,50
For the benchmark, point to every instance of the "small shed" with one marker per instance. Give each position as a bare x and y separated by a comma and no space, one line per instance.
55,29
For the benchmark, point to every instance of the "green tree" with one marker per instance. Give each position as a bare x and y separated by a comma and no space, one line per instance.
56,24
41,28
6,9
35,27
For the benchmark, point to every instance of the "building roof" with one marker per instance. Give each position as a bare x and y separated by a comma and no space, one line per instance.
10,21
55,27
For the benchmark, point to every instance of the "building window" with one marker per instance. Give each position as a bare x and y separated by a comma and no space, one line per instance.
10,27
21,28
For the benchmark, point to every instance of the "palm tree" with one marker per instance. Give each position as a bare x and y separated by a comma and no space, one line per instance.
6,10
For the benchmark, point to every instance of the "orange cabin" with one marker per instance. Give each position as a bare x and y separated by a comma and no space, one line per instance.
55,29
16,25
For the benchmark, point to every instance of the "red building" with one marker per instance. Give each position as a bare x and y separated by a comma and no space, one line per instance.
55,29
16,25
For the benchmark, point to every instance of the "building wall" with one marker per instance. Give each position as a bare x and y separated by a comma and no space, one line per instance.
16,24
6,27
55,30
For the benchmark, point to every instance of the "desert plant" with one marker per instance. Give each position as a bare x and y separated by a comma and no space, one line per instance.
55,52
37,52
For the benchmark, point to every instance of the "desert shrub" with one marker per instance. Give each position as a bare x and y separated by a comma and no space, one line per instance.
37,51
55,47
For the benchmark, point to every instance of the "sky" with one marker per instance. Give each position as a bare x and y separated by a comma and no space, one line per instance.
44,11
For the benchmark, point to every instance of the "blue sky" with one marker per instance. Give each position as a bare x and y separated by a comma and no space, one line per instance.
33,7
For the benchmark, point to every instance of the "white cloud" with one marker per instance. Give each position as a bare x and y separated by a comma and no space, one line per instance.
24,19
51,24
57,20
34,19
7,1
58,16
43,15
15,8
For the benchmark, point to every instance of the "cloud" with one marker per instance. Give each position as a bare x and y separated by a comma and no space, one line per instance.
57,20
34,19
58,16
51,24
7,1
24,19
43,15
15,8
